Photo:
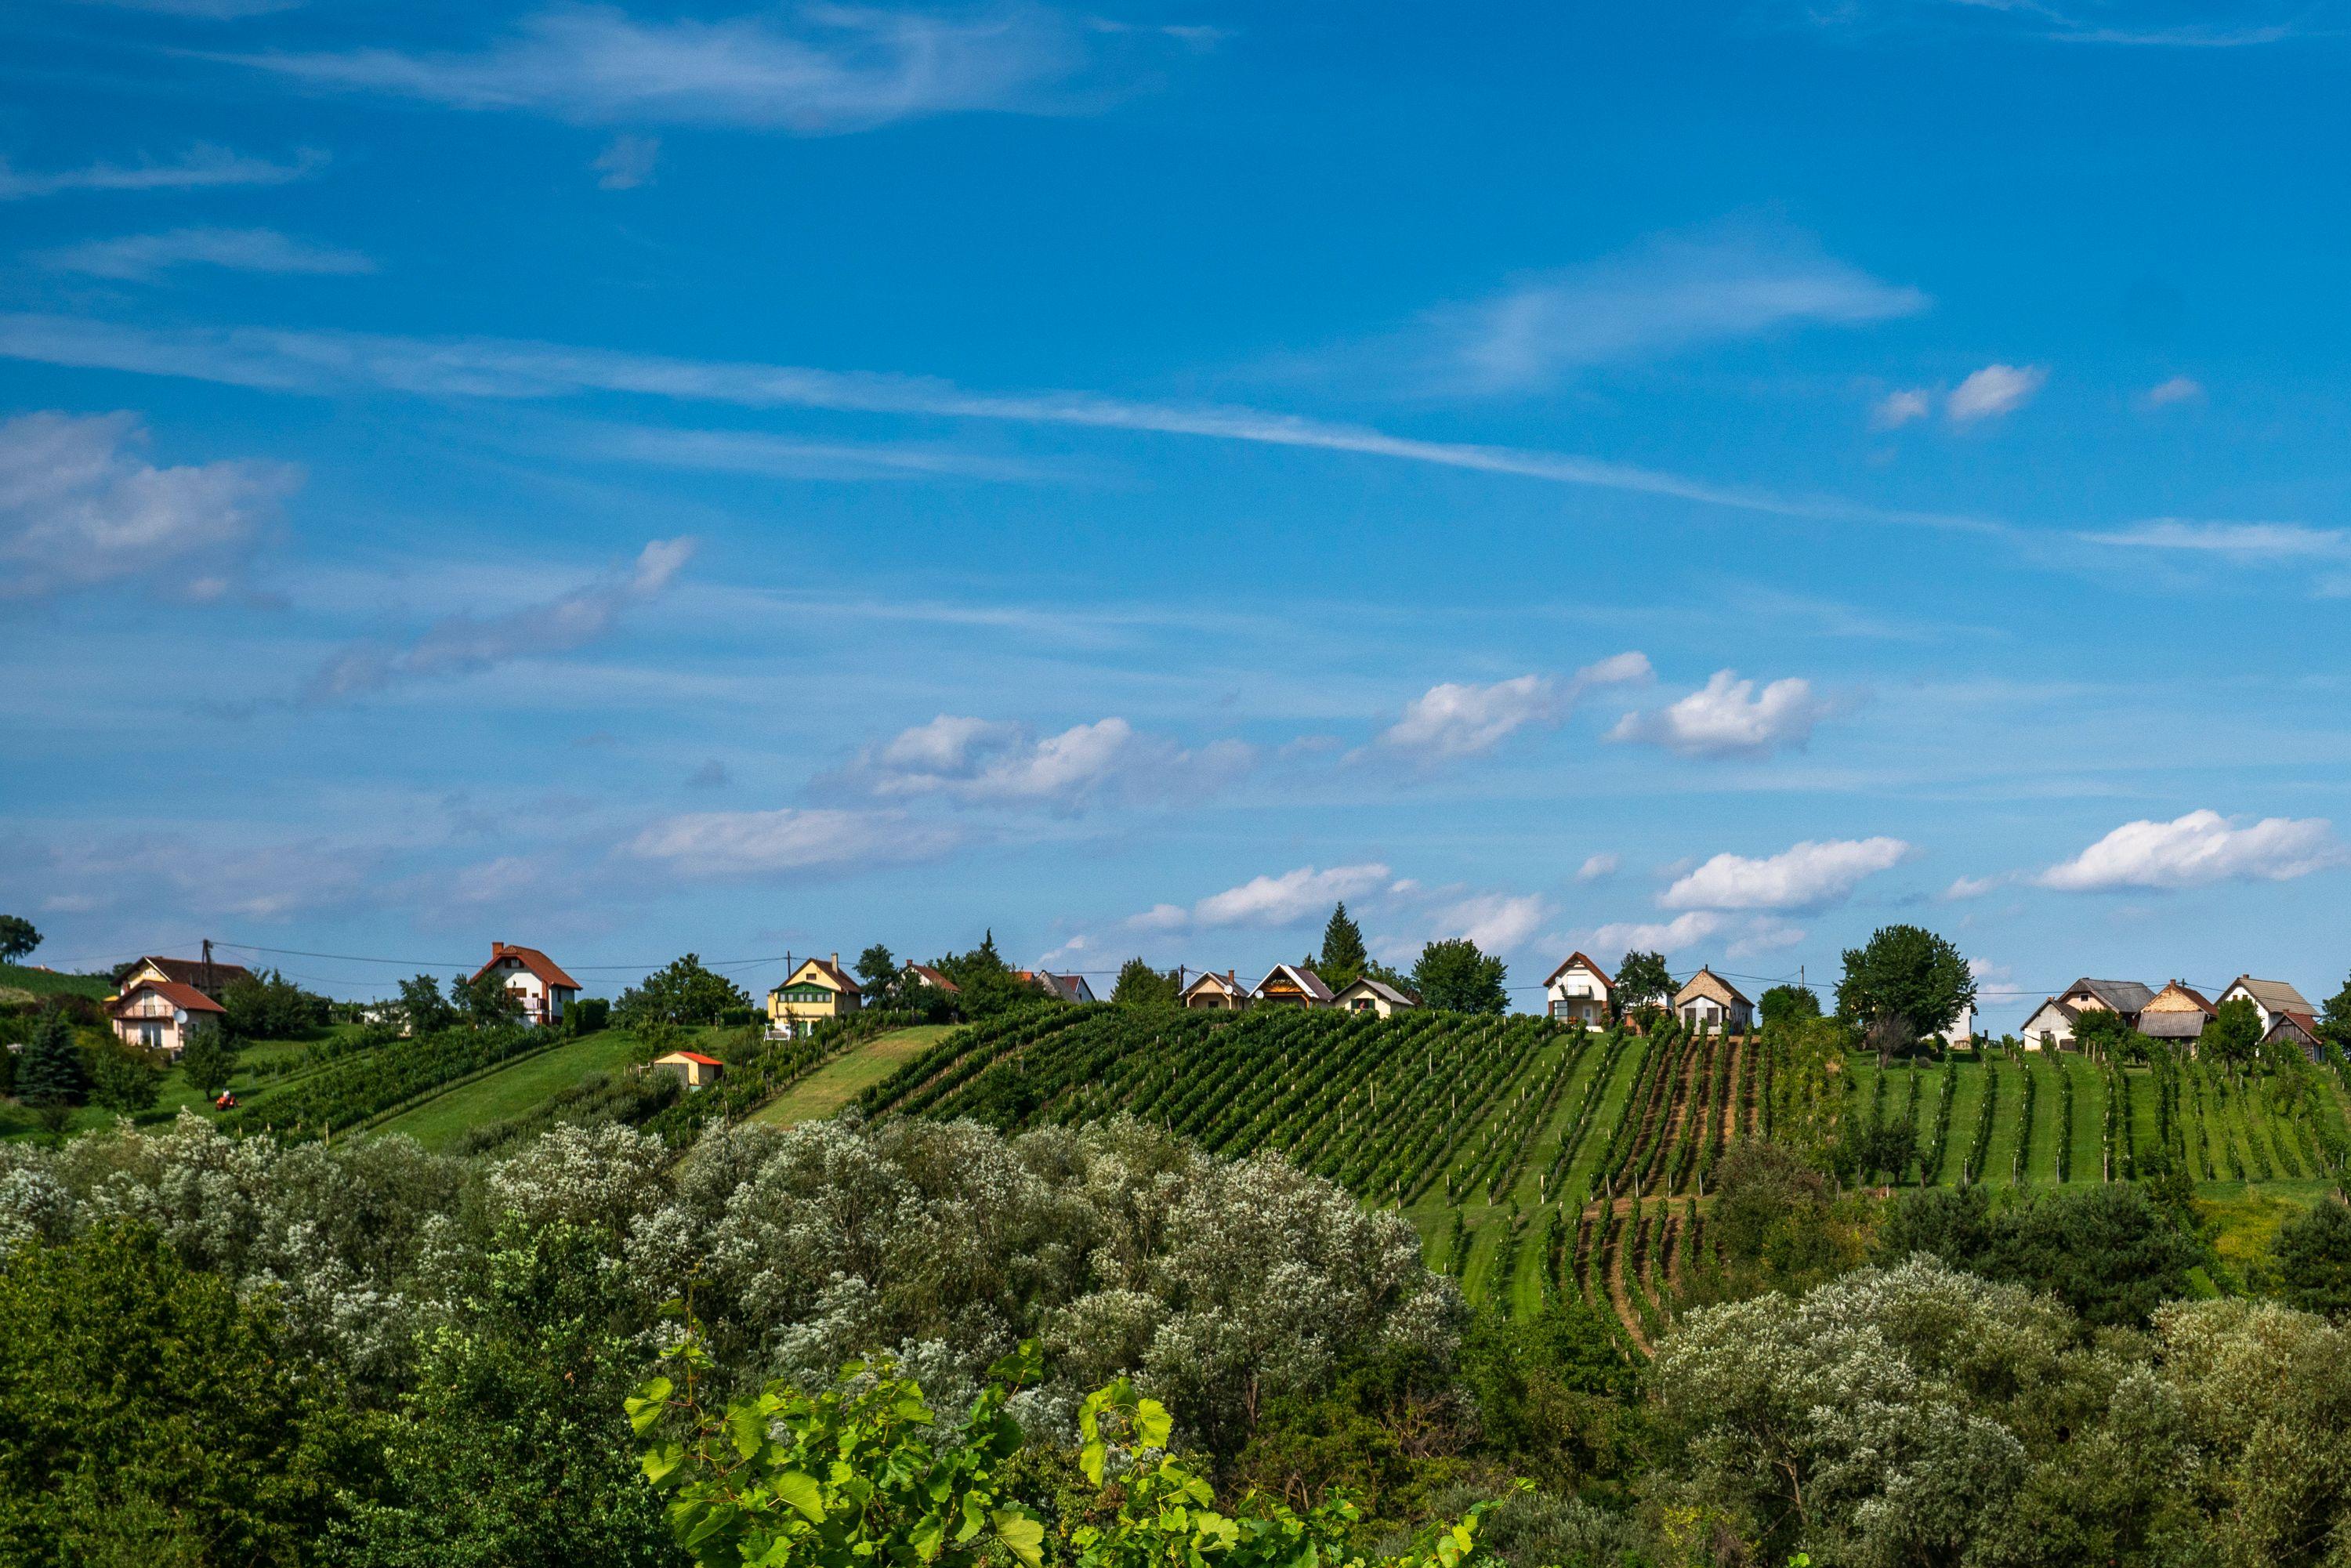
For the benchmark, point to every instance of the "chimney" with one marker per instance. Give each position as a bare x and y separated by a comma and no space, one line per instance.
1230,981
836,961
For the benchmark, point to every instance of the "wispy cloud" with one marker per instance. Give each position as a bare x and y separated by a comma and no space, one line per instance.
2138,24
143,256
81,507
1729,718
1808,875
2178,389
997,763
1455,720
461,644
846,68
1671,294
2243,542
783,457
718,845
1896,409
2200,848
202,167
1269,901
494,368
627,162
1597,868
1994,392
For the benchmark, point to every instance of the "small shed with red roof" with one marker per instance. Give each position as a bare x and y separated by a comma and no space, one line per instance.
691,1068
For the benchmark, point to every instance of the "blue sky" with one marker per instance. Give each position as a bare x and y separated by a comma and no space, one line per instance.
760,480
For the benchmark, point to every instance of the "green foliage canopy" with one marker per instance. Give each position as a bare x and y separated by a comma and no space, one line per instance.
683,994
1643,980
1141,986
17,938
1905,981
1455,977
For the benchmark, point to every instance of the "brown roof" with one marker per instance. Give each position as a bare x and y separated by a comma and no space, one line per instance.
2275,996
531,958
2182,989
931,976
173,991
1723,991
832,971
1394,997
1572,960
1308,982
2300,1026
191,971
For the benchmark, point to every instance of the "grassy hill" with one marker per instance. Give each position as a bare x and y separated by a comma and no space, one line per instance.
30,982
850,1074
1534,1159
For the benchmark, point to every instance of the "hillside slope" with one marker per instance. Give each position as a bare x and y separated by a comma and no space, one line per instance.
1535,1159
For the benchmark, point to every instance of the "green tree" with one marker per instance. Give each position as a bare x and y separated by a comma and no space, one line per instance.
269,1006
17,938
1643,980
1453,976
1785,1004
2109,1251
123,1079
2313,1255
987,984
484,1001
2102,1033
51,1074
1141,986
2334,1018
1341,962
153,1414
683,993
855,1476
877,967
1904,983
509,1449
423,1007
2232,1035
208,1062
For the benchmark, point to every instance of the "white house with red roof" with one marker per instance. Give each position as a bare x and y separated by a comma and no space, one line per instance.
162,1015
1580,991
533,979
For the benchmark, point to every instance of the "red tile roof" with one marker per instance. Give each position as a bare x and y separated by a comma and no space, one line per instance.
531,958
931,976
692,1056
191,971
184,997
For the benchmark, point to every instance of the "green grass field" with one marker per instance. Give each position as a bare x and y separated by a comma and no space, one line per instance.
514,1088
34,982
839,1082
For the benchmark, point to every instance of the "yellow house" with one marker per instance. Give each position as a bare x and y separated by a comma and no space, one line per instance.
816,991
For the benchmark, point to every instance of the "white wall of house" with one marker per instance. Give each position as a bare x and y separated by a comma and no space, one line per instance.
2046,1020
541,1003
1578,994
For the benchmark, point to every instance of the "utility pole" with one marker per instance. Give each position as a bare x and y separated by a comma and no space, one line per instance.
208,965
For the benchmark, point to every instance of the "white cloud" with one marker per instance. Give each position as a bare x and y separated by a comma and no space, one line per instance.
1597,868
850,70
993,762
2178,389
1673,293
1284,900
2200,848
1496,922
1728,718
326,361
1805,876
1464,720
78,507
627,162
203,166
1651,937
1896,409
138,257
1966,887
750,843
460,645
1994,391
2244,542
